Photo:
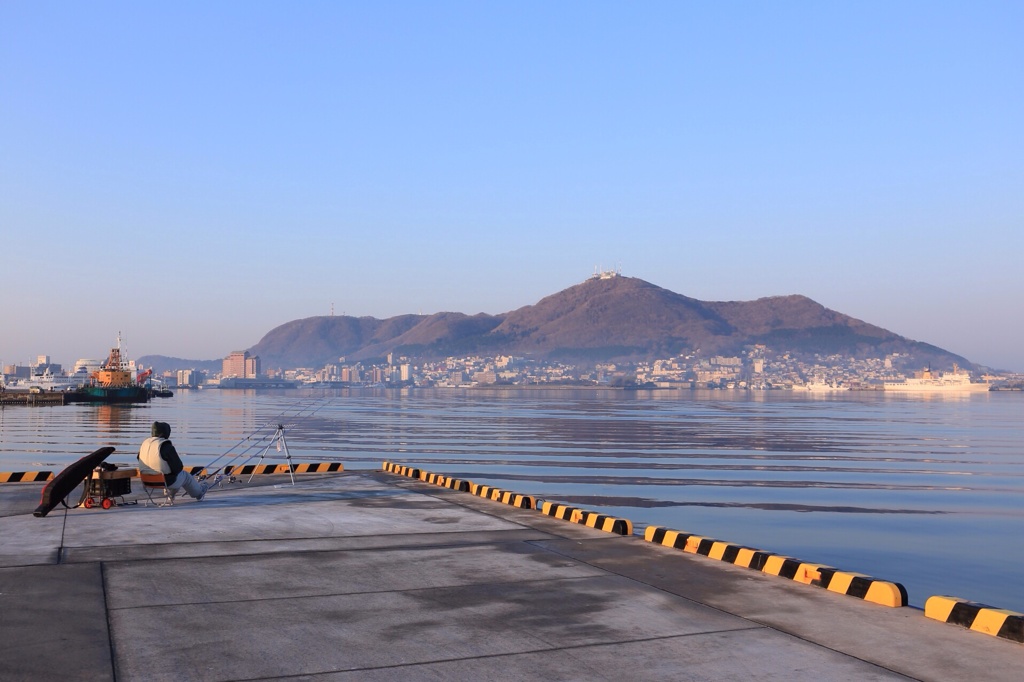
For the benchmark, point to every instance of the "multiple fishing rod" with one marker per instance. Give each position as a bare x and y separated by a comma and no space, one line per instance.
258,447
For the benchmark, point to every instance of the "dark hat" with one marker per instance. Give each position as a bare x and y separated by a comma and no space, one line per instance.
161,430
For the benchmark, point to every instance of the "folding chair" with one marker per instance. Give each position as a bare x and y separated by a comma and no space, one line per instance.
155,488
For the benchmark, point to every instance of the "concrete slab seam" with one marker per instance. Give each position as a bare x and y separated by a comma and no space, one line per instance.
977,617
106,617
864,587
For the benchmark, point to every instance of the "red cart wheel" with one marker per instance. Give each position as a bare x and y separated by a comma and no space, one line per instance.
107,503
89,503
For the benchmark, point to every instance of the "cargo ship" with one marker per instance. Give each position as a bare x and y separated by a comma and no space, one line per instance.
114,382
927,381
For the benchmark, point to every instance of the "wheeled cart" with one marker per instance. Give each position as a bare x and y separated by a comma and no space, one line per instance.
103,486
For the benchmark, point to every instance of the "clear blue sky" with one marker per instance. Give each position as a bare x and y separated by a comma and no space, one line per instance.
193,174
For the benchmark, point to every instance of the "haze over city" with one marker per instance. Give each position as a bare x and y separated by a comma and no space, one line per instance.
194,175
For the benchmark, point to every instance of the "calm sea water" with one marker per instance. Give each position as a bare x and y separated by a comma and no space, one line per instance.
926,491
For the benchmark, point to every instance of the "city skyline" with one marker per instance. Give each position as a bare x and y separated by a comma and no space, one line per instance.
193,177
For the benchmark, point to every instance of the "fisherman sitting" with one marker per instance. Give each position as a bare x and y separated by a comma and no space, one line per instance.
157,455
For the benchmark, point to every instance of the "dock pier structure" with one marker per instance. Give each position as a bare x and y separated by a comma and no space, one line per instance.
364,575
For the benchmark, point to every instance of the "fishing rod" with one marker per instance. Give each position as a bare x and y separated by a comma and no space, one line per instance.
290,413
258,447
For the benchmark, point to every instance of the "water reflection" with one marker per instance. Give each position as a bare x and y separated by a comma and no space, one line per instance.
852,480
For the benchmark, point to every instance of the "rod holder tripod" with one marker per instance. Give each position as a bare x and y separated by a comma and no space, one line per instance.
282,444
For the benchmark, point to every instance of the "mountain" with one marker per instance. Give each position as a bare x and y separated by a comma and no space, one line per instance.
163,363
615,318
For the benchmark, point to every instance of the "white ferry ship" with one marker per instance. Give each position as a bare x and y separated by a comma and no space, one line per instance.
928,381
48,381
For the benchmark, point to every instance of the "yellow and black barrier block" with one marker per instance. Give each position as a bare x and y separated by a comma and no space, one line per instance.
608,524
514,499
503,496
562,511
843,582
25,476
711,548
794,569
456,484
978,617
434,479
481,490
392,468
864,587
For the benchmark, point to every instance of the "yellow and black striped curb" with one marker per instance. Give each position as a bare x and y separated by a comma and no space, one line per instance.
842,582
608,524
303,468
259,469
25,476
317,467
977,617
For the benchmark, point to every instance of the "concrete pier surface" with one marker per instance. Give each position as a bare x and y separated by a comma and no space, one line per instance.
368,576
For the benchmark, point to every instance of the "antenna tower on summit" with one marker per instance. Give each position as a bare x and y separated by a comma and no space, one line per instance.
606,274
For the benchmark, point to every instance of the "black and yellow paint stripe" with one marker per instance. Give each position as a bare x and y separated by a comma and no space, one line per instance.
259,469
978,617
25,476
608,524
246,470
250,469
317,467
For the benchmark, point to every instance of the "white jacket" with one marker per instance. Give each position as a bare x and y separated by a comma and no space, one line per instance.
149,455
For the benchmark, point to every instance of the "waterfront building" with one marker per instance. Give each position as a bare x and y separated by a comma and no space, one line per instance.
242,365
